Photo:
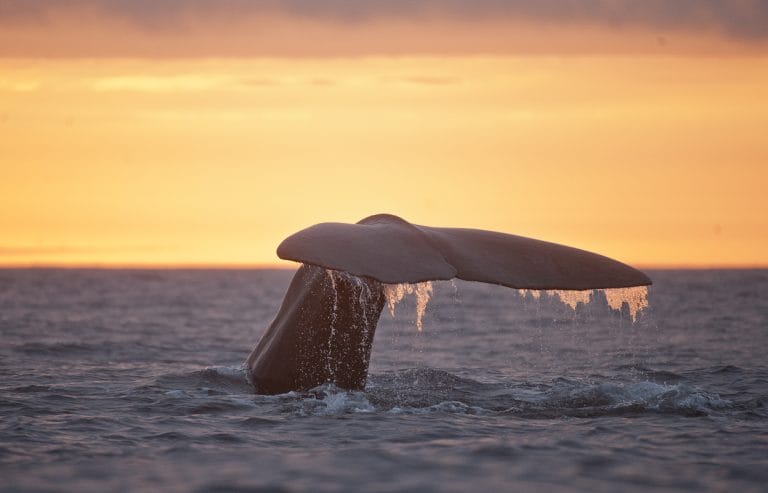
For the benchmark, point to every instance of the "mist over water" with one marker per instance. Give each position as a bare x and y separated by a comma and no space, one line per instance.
132,380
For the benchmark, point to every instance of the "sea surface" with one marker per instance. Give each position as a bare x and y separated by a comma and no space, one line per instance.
132,380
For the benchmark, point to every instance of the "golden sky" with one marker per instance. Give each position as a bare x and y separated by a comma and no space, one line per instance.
203,133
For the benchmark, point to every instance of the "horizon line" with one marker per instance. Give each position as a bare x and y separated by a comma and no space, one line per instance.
290,266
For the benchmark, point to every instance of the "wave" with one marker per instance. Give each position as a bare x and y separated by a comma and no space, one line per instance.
59,348
575,399
428,390
222,379
431,390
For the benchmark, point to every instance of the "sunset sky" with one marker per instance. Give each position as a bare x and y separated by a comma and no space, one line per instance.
203,132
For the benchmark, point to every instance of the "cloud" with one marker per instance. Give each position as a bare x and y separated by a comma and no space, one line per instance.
738,18
167,21
27,250
168,83
429,80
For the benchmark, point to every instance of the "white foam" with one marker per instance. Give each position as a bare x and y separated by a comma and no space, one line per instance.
343,402
177,393
328,400
450,407
650,395
234,372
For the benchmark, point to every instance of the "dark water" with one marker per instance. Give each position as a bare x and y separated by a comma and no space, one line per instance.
131,381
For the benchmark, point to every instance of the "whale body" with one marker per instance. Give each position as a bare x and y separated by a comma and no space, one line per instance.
324,329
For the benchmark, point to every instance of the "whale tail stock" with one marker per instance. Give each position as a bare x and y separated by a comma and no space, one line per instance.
324,329
323,332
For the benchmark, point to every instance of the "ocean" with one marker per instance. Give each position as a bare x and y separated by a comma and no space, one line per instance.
132,380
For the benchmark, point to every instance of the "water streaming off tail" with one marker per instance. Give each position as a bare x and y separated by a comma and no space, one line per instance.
636,297
394,293
572,298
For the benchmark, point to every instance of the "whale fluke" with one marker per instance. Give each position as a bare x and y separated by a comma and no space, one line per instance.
391,250
324,329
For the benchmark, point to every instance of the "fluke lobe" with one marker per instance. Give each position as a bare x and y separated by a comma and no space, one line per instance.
324,329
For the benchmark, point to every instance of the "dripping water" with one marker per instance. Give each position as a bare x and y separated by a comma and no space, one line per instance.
334,317
394,294
636,298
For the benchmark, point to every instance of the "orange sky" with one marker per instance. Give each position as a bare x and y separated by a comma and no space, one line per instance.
132,143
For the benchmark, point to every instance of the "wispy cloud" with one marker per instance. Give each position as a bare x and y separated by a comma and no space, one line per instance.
146,83
431,80
743,18
58,250
19,85
246,27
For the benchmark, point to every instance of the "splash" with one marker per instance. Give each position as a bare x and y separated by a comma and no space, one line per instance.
636,298
394,293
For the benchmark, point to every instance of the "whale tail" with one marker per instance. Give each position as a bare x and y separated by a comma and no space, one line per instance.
391,250
324,329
